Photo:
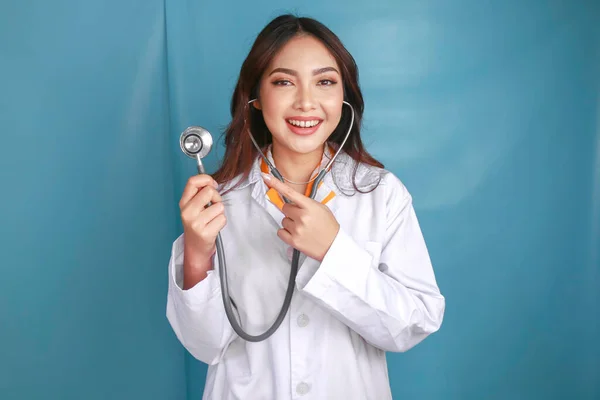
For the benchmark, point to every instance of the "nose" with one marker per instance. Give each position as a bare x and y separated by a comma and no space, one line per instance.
304,99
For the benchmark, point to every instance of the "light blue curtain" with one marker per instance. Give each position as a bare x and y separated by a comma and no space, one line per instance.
88,207
488,111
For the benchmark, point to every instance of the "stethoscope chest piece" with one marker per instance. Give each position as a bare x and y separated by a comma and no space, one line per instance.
195,142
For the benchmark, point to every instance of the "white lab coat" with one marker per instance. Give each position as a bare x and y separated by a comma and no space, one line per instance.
375,291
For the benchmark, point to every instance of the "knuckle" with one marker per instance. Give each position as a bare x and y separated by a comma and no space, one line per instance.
185,215
293,241
197,226
210,191
204,236
200,180
194,181
203,196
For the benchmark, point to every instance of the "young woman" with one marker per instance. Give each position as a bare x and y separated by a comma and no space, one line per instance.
365,283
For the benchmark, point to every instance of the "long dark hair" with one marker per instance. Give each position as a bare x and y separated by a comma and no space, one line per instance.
240,153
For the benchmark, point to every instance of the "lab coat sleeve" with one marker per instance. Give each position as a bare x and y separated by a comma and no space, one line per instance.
386,292
197,315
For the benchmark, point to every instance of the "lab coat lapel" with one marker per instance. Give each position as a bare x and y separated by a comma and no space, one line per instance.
328,194
259,194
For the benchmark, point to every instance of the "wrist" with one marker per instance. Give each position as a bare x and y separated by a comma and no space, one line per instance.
329,242
195,268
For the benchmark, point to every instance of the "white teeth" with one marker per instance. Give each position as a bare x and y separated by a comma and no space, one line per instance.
303,124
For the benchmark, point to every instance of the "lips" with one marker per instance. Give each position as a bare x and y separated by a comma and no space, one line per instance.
303,125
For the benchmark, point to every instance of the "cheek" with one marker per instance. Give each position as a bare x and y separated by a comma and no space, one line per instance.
332,103
333,109
271,106
272,117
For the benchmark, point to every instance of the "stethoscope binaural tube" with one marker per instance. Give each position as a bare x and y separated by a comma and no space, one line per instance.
196,143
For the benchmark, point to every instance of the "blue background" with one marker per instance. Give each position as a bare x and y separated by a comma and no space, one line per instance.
488,111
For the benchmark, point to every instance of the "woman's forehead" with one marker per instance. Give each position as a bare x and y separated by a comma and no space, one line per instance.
303,54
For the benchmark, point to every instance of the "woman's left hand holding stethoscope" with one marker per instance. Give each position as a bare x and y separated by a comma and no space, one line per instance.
308,226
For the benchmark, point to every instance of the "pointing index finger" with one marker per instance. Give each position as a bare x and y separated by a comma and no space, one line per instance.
284,190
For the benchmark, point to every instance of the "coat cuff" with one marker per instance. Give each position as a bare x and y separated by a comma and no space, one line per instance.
199,293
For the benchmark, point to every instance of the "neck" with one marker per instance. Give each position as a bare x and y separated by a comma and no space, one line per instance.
296,167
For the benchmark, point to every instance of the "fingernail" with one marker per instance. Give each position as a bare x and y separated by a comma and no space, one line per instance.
266,177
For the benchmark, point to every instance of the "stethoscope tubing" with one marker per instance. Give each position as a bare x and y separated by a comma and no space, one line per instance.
228,302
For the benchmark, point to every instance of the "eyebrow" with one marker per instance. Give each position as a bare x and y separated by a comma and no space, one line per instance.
317,71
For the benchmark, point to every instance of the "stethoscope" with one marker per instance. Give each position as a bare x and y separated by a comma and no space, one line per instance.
196,142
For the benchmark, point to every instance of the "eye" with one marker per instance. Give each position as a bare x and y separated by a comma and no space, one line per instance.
282,82
327,82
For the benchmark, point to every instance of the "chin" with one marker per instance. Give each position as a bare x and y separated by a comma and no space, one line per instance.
303,145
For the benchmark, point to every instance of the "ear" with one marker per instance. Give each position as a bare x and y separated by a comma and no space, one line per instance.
257,104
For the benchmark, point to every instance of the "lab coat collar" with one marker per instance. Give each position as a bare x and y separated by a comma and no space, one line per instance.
323,196
270,198
340,179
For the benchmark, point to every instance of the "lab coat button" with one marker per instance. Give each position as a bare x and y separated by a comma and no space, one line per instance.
302,388
302,320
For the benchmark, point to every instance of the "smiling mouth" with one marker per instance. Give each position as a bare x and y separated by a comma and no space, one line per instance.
303,124
305,127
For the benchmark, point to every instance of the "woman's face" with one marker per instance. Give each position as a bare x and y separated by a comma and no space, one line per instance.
301,96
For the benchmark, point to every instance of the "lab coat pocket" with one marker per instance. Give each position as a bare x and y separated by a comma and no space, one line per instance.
374,249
